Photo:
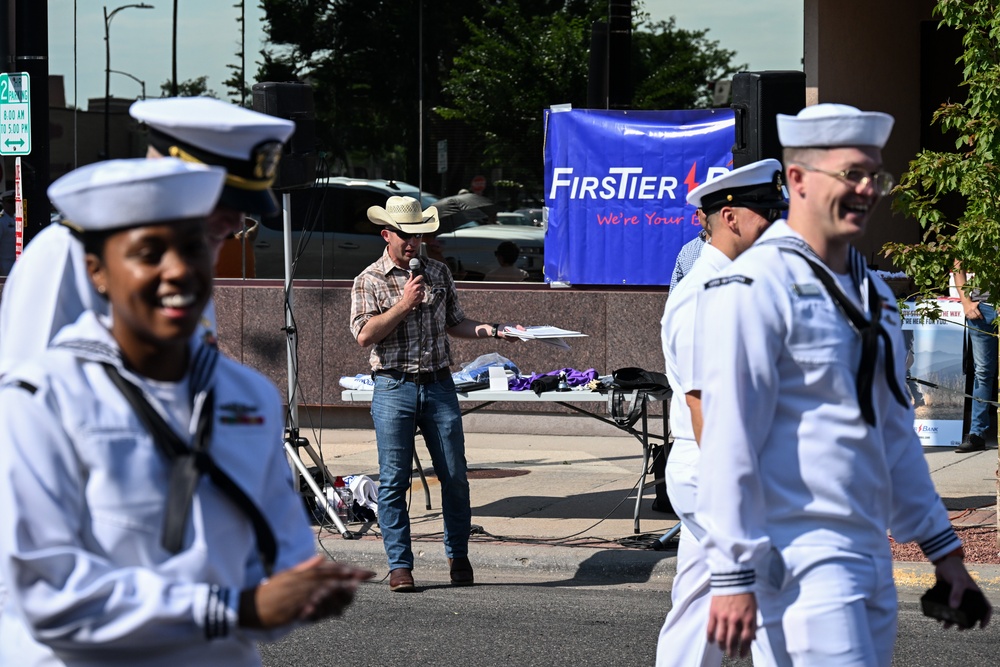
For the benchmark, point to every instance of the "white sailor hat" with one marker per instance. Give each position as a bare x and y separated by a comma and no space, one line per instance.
202,129
404,214
756,185
118,194
830,125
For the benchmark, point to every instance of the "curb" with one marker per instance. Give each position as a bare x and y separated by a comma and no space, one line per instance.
619,565
593,564
920,576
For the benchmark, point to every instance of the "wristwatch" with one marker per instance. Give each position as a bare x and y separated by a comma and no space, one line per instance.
494,330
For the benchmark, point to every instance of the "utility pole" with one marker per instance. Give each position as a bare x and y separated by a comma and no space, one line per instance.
173,56
619,54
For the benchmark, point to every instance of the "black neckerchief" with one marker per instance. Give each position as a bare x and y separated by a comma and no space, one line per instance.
869,328
188,465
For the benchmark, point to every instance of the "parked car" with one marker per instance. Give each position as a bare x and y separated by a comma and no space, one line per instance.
515,218
534,214
331,234
332,237
469,250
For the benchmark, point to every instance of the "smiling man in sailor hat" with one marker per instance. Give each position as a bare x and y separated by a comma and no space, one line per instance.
406,309
808,450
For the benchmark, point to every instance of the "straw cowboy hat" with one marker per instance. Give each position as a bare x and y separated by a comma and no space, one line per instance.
403,214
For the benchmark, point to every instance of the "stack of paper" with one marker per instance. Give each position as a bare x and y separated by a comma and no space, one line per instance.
545,334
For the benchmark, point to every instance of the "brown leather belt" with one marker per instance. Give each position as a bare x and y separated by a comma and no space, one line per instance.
425,377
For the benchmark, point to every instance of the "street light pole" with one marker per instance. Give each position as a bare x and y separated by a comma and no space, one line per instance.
107,71
134,78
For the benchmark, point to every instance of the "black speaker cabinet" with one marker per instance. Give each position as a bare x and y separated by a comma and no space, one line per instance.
758,97
292,101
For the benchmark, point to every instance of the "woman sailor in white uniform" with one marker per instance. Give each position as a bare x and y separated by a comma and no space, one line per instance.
146,496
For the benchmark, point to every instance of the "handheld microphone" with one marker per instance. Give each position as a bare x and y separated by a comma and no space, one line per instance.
416,268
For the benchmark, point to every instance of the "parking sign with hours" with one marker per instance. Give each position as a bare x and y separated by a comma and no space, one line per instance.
15,114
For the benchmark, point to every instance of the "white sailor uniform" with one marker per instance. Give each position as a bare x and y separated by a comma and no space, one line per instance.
84,490
683,637
796,489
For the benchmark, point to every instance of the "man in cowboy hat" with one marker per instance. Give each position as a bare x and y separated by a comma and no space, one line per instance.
808,454
405,309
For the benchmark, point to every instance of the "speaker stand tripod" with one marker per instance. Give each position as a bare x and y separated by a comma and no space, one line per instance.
293,441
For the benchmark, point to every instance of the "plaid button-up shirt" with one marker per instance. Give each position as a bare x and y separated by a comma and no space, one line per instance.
420,342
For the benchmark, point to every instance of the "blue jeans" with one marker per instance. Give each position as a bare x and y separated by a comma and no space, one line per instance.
397,409
982,335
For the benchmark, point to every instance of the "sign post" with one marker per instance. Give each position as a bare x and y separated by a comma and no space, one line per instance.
443,156
443,162
15,114
18,211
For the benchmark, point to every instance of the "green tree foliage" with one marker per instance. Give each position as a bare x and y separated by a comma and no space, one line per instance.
515,65
361,56
490,68
512,67
675,68
968,176
236,84
196,87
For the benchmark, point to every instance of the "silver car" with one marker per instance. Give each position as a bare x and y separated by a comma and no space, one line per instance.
469,250
331,234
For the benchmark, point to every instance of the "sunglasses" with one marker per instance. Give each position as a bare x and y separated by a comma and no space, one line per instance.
406,237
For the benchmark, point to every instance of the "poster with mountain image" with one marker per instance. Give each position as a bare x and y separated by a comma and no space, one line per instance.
935,373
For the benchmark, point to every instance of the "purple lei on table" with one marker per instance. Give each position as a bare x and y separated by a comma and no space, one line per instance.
574,378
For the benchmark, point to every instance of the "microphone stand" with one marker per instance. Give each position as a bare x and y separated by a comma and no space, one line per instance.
293,442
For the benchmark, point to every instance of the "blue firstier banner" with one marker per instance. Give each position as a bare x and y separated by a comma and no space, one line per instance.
615,188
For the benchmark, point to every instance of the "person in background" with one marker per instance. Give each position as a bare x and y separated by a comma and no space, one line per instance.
406,309
144,524
808,453
507,253
691,250
740,205
980,318
8,227
8,230
686,259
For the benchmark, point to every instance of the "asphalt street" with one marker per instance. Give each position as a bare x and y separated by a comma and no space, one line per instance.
516,618
562,576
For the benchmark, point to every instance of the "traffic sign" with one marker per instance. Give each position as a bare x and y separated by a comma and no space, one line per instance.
15,114
478,184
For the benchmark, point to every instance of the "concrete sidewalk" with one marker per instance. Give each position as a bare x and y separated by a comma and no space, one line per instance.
564,504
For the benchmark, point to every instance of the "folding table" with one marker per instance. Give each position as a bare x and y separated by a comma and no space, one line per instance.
569,399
